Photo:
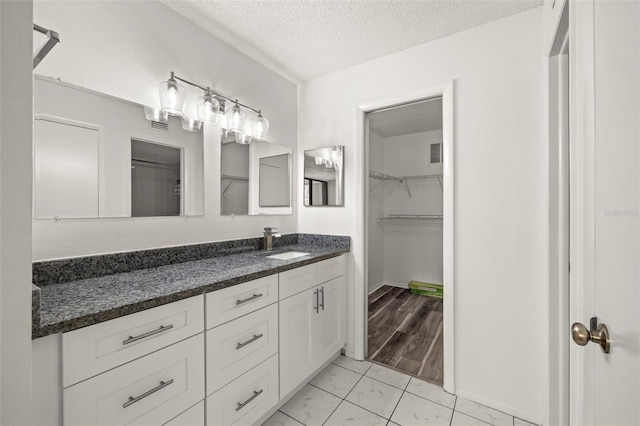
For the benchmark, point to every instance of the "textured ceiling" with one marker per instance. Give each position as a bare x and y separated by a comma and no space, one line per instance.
417,117
306,39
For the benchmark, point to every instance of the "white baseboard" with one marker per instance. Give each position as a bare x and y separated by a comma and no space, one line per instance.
394,284
512,411
389,283
375,287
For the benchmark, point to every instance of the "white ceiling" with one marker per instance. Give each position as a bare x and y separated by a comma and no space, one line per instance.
417,117
306,39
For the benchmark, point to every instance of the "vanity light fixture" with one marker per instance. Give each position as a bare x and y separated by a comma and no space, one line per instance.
191,124
156,114
211,110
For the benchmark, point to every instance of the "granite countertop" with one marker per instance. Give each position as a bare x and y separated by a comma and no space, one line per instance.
68,306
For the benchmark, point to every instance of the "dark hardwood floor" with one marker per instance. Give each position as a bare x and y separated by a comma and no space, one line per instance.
405,332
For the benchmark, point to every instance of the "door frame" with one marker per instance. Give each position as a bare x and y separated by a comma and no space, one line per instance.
445,90
558,295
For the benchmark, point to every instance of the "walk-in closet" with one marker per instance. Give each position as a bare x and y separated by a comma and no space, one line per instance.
405,238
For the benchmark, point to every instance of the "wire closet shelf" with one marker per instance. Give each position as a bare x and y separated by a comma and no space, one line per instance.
404,180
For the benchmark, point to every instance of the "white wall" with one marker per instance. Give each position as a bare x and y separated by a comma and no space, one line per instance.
412,251
500,155
16,114
125,49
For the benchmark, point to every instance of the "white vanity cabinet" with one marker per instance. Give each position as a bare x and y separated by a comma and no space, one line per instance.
226,358
312,324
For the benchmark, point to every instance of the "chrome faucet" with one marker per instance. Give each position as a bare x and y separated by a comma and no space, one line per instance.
269,235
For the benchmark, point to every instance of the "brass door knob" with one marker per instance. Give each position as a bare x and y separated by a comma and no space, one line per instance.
599,334
580,334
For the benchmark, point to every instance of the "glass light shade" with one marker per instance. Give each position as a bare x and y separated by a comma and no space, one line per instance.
328,164
319,161
242,138
236,118
222,117
260,127
172,97
156,114
208,108
191,124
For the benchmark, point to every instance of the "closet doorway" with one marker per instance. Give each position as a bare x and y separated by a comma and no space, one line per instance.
404,226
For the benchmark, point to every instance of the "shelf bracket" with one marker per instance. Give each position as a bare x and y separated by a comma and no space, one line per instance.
406,185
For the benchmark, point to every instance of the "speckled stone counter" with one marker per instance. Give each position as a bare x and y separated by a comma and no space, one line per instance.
76,304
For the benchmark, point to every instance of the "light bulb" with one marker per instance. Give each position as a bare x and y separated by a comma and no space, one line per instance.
208,108
236,118
319,161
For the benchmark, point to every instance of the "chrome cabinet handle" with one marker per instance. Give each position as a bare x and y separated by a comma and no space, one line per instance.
322,292
241,405
317,307
248,299
132,400
132,339
253,339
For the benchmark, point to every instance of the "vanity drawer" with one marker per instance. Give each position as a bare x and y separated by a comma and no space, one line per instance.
246,399
238,346
193,416
232,302
101,347
296,280
150,390
330,269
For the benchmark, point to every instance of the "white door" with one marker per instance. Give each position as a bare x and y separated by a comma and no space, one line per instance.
297,318
329,323
605,258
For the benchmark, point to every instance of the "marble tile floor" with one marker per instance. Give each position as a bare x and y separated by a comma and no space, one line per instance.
349,392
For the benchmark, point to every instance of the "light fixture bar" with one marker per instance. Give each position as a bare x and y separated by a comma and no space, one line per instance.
53,39
213,92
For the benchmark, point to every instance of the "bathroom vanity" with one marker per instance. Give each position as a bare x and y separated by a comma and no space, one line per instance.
220,340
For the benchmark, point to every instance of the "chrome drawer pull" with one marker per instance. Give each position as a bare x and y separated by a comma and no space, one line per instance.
248,299
253,339
317,306
133,400
132,339
241,405
322,292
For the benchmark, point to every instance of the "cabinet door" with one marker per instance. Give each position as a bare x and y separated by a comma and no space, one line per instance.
329,334
297,318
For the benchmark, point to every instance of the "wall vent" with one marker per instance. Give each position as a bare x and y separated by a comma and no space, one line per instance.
159,126
436,153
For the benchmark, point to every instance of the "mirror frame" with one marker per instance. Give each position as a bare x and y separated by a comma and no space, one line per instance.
339,170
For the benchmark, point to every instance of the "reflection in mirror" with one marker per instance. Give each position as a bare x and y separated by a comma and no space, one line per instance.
97,156
255,178
155,179
324,176
274,181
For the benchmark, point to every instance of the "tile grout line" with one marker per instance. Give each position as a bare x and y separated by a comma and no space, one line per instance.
291,417
401,395
342,399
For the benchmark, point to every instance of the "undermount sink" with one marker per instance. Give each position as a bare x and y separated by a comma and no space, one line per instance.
287,255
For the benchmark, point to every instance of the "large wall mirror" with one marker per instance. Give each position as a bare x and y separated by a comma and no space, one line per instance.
97,156
324,176
255,178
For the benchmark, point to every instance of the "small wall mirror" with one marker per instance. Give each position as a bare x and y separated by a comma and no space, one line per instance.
324,176
96,156
255,178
